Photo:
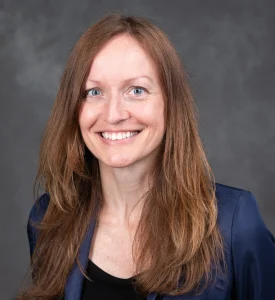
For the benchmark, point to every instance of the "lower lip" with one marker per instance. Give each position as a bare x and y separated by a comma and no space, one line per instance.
118,142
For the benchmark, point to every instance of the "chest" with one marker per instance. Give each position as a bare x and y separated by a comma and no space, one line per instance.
112,250
91,247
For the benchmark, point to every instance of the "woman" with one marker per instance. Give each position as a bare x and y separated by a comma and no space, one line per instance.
131,209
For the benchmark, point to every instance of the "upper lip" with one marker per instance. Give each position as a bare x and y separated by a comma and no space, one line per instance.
117,131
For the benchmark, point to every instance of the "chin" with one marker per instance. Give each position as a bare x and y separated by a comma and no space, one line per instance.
117,162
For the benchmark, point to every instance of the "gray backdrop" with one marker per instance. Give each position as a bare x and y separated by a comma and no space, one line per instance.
228,50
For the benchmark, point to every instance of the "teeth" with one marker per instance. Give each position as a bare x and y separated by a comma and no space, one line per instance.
119,135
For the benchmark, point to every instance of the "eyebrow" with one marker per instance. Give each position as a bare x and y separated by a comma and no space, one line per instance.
129,80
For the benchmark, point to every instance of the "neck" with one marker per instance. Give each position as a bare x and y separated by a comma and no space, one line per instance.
123,191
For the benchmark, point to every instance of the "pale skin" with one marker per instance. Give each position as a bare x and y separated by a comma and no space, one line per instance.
124,95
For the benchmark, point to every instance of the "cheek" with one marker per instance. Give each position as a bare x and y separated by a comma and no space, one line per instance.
87,117
154,116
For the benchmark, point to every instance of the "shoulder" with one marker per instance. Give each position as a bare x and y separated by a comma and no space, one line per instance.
238,207
249,245
227,195
35,217
37,213
39,208
233,202
238,212
241,223
242,226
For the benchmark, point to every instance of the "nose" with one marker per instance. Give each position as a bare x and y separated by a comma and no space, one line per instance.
115,110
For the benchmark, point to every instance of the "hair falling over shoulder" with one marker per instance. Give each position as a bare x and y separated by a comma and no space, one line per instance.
180,241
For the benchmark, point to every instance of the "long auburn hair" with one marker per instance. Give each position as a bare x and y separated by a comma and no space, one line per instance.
181,243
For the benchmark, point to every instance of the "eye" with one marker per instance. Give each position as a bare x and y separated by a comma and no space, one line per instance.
137,90
93,92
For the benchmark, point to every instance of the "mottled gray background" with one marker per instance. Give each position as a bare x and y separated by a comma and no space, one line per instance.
228,50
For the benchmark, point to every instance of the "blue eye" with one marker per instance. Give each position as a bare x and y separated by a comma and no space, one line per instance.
93,92
138,90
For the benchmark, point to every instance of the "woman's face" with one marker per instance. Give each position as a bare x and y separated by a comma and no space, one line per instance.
122,118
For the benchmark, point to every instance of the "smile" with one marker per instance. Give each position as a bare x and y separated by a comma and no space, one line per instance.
118,135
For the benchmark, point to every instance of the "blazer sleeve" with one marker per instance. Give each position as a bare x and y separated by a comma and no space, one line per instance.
36,215
253,250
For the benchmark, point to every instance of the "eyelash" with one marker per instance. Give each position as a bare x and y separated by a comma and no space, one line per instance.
85,93
132,88
139,87
89,90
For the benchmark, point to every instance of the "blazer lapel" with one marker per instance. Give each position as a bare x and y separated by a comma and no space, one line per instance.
74,282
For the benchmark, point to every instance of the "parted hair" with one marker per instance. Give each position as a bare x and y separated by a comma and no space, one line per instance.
180,245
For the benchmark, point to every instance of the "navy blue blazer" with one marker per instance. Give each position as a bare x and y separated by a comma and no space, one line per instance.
250,251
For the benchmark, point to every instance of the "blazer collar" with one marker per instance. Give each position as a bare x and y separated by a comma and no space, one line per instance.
74,282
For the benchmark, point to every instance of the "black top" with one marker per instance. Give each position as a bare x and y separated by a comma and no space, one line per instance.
105,286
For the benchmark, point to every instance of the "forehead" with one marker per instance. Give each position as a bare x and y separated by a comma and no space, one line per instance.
121,58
